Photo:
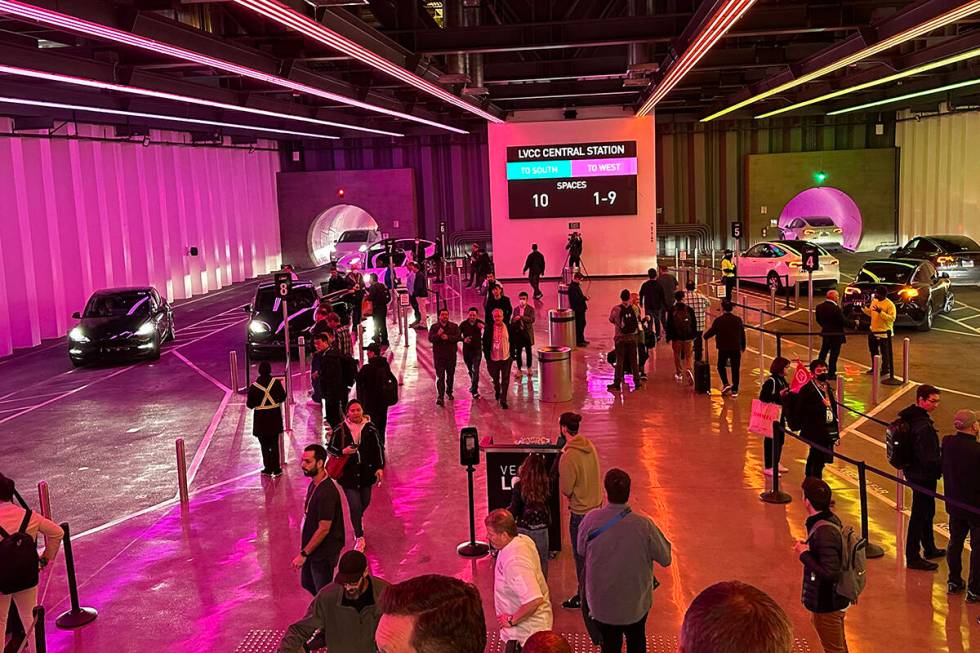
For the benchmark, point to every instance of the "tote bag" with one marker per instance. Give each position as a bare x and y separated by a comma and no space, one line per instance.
763,415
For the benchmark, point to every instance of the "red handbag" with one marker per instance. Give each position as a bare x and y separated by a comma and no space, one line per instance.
335,465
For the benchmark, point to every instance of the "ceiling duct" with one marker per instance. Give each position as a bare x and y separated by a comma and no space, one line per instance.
474,62
639,66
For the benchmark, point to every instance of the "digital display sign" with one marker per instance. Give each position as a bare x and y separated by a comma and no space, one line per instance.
572,180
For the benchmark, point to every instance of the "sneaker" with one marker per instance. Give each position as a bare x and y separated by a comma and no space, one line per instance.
440,402
475,395
727,390
972,598
690,377
955,587
678,376
503,404
734,392
613,387
359,544
573,603
643,377
450,396
922,565
266,472
935,555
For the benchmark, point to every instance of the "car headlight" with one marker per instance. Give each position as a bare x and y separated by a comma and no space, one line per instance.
146,329
77,335
362,248
258,326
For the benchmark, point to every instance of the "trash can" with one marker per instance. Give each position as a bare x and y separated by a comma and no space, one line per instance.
563,296
561,328
555,364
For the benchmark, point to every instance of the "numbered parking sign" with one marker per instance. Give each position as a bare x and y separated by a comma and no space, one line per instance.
284,284
811,259
736,230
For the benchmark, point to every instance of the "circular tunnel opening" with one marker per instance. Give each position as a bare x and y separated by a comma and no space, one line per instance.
329,225
829,202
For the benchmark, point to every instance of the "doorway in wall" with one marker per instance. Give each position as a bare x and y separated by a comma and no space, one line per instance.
329,228
825,201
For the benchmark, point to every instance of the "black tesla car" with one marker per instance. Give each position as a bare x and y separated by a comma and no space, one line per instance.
919,291
121,323
957,256
266,333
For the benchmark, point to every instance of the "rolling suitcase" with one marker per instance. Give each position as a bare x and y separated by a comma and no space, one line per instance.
702,373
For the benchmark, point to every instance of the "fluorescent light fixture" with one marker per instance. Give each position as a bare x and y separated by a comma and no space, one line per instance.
289,18
135,90
157,116
717,26
907,96
932,65
64,21
921,29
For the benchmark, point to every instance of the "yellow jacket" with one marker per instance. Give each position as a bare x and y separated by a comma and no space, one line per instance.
727,268
881,320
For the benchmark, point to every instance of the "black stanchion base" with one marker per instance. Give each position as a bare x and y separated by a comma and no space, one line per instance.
78,619
776,497
890,381
473,549
873,551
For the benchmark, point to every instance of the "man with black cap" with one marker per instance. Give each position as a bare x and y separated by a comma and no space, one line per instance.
822,554
346,612
961,483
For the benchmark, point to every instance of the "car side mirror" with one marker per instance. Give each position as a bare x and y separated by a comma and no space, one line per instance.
247,308
76,315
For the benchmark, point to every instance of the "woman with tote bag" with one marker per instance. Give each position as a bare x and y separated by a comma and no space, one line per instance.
767,413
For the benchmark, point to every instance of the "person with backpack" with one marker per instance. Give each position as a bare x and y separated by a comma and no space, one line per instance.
378,296
923,467
815,411
833,565
444,336
265,397
961,484
625,327
731,343
681,331
20,565
377,389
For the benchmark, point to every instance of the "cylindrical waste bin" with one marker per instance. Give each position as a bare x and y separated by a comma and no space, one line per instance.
561,328
555,364
563,296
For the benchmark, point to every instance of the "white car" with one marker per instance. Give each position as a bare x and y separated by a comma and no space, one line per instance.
817,229
353,241
375,258
778,264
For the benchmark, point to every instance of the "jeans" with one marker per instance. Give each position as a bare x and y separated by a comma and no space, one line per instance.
683,353
574,521
317,574
626,357
521,347
777,440
657,313
830,630
882,346
540,538
958,530
333,410
579,327
445,375
500,374
829,353
358,500
270,453
535,281
613,635
726,356
920,534
472,359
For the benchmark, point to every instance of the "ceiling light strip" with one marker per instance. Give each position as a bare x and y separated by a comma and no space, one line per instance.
719,24
303,24
940,63
64,21
914,32
157,116
907,96
144,92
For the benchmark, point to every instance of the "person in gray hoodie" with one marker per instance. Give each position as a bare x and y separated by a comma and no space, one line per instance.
620,547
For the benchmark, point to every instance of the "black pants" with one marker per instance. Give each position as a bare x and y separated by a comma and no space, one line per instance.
579,327
626,359
574,260
816,460
535,281
500,374
958,530
829,352
726,356
920,537
522,347
317,574
445,375
472,359
698,345
270,453
657,314
380,328
413,301
729,286
613,635
333,410
776,441
379,417
882,346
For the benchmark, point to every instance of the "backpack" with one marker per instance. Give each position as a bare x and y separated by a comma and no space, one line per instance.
899,444
628,323
20,562
389,390
854,560
680,317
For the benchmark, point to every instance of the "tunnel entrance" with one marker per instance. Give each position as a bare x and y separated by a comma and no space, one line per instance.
328,227
830,202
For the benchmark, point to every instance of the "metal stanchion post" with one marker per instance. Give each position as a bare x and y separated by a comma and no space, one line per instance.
77,616
891,380
796,293
233,369
786,293
875,378
873,550
772,300
906,345
248,370
44,498
775,495
473,548
779,344
301,345
182,472
762,346
900,494
840,399
40,640
282,447
809,315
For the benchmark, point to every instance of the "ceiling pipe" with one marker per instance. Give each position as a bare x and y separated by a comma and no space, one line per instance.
474,62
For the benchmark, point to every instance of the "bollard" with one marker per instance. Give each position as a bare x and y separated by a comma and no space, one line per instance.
875,378
840,400
779,344
233,369
775,495
890,379
762,346
301,344
44,499
872,550
900,493
40,641
248,370
77,616
786,293
772,300
906,345
182,472
796,293
282,448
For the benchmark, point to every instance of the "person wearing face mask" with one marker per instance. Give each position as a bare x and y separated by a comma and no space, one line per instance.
522,321
358,439
882,313
471,331
817,408
346,612
961,484
444,336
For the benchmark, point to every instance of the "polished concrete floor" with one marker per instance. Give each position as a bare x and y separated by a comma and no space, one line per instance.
202,577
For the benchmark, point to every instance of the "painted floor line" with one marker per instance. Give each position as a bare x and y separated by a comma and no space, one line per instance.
37,396
65,394
956,333
960,322
215,419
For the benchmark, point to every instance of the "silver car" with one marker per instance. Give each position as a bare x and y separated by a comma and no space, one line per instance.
819,229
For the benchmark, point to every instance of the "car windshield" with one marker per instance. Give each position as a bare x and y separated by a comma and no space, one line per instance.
957,244
267,300
819,222
884,272
357,236
797,246
118,304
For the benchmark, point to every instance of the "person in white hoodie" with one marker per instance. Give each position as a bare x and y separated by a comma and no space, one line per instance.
358,439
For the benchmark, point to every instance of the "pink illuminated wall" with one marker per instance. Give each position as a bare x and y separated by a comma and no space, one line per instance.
78,215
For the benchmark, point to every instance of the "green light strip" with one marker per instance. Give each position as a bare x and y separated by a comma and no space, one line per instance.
970,54
907,96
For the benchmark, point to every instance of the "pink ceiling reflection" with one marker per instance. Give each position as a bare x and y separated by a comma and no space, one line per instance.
830,202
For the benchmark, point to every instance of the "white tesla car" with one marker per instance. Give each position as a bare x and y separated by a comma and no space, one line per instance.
817,229
779,263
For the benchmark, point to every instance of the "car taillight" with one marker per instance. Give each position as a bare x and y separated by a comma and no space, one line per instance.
908,293
838,230
796,264
808,232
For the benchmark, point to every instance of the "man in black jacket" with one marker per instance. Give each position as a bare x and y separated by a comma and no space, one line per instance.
444,336
337,281
471,331
336,378
653,300
379,296
822,555
816,406
497,299
579,305
731,343
831,321
371,379
534,266
925,470
497,337
961,482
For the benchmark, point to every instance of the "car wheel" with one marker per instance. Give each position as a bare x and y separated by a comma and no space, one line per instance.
774,283
171,336
76,362
926,323
155,352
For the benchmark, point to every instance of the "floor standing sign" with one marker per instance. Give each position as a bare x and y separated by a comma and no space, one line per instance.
503,462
